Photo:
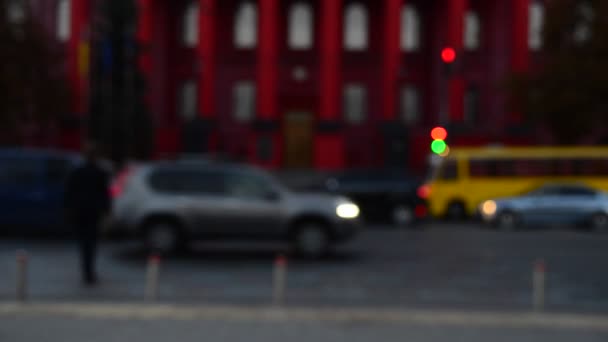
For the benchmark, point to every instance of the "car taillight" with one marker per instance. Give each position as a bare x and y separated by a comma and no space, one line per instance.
424,191
421,211
118,186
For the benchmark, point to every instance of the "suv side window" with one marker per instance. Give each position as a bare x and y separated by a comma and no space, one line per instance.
57,170
247,186
186,181
576,191
19,172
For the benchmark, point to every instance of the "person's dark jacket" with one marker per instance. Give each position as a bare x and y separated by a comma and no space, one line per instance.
87,195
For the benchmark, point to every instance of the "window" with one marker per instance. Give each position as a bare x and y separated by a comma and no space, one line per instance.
576,191
190,25
64,14
355,28
449,170
471,105
19,172
410,29
536,23
16,11
410,104
244,101
57,170
583,30
355,103
246,26
188,101
246,186
300,27
472,31
186,181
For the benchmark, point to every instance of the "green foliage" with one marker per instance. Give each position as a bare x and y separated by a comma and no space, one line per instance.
32,83
569,95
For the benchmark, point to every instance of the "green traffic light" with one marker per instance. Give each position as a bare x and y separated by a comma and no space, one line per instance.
439,146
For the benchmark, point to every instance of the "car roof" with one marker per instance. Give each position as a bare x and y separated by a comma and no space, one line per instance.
38,153
206,164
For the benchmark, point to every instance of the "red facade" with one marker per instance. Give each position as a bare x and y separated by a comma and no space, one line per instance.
300,119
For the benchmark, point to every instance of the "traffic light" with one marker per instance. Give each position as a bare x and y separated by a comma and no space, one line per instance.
448,59
448,55
439,146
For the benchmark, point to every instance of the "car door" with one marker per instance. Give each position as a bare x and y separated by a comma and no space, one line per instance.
542,205
255,204
55,171
202,200
21,193
577,203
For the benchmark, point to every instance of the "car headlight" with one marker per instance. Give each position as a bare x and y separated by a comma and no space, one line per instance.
348,211
488,208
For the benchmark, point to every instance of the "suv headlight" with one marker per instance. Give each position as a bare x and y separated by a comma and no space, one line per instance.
489,208
348,210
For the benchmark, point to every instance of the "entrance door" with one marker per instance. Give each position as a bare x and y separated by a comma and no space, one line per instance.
298,133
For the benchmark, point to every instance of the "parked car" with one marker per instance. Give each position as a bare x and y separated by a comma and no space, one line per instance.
169,204
550,204
32,190
385,196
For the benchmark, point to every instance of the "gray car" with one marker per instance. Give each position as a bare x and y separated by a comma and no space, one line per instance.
571,204
170,203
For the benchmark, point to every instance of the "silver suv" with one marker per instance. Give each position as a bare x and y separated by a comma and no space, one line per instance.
170,203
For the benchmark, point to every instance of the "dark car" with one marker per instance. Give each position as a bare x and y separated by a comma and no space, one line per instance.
384,196
32,189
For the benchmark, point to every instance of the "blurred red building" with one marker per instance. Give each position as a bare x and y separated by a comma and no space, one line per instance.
323,84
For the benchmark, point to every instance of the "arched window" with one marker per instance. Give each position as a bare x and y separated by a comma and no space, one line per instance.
300,27
16,11
472,31
190,25
355,27
536,23
246,26
64,14
188,101
355,103
243,100
410,28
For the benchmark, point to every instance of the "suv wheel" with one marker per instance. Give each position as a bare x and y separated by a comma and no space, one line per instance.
312,240
161,237
403,215
507,220
456,211
599,222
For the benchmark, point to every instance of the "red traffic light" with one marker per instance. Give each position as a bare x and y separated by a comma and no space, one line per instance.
448,55
439,133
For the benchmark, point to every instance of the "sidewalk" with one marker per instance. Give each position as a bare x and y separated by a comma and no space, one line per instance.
152,323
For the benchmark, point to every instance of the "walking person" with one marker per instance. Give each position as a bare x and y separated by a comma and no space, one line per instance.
87,201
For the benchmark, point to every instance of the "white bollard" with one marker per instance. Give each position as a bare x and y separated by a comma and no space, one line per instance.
280,279
22,261
152,278
538,285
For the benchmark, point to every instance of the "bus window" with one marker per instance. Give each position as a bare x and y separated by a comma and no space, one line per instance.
449,171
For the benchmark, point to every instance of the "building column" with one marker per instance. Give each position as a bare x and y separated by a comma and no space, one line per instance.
78,55
456,85
265,146
329,152
206,58
392,56
78,65
520,55
200,135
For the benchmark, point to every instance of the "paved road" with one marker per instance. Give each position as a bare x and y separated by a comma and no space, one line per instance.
109,323
440,266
